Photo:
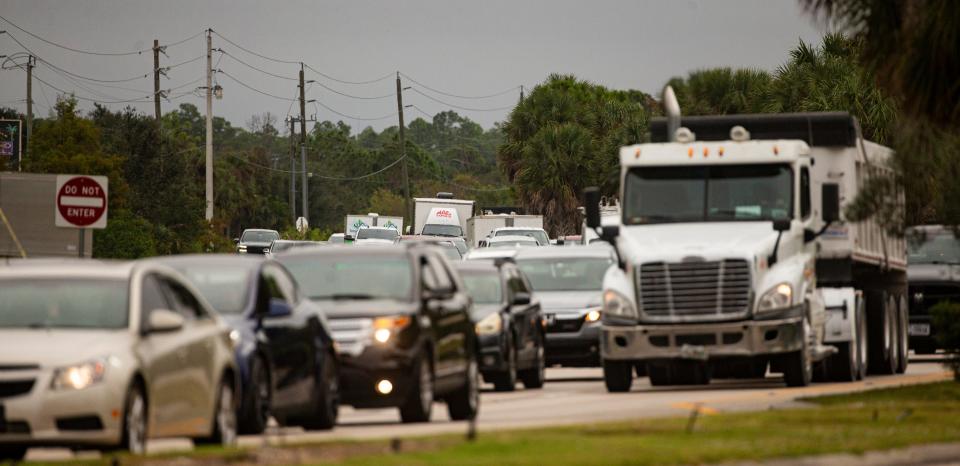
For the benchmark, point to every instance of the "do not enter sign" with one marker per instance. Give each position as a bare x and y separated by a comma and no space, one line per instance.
81,201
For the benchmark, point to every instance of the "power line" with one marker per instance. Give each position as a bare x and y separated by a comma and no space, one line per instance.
285,99
70,77
344,81
248,162
368,175
321,104
499,109
385,96
87,52
51,65
514,88
278,60
255,68
141,99
183,62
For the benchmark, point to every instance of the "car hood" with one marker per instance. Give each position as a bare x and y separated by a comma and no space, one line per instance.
672,242
553,301
347,308
258,244
60,347
933,273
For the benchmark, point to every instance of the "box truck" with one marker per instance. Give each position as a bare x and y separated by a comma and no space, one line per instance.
442,215
356,222
480,226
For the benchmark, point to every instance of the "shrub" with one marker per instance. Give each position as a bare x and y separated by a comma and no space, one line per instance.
946,320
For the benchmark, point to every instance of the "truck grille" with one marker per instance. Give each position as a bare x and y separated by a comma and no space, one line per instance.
700,289
926,295
351,335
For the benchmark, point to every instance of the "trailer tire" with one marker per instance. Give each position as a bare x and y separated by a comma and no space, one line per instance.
904,323
881,324
798,366
617,375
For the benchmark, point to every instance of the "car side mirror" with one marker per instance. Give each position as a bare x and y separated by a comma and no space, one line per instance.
591,203
236,241
164,321
278,308
347,238
521,298
830,198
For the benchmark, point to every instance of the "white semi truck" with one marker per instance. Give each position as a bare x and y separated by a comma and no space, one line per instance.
735,257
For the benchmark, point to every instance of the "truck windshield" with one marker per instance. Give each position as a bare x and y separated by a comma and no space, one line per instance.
441,230
933,248
251,236
712,194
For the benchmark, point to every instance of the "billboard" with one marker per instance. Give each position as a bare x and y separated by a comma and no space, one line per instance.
11,143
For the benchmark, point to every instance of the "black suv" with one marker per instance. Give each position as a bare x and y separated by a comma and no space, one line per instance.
400,316
509,324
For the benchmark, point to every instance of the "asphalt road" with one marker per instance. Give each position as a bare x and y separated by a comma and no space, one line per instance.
570,396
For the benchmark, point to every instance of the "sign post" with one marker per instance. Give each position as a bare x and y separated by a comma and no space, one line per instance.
11,142
81,202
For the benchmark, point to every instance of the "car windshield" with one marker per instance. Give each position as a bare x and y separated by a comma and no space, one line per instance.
377,233
451,251
339,276
565,274
224,286
539,235
441,230
933,248
715,193
259,236
512,243
63,303
483,287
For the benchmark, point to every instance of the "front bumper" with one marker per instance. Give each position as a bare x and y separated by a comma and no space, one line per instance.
359,376
574,349
702,340
69,418
493,357
922,334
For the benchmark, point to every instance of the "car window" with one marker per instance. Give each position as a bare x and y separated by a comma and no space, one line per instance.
279,284
515,282
428,275
152,296
184,301
445,279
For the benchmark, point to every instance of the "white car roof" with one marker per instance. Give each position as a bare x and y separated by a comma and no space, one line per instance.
491,253
518,229
511,239
85,268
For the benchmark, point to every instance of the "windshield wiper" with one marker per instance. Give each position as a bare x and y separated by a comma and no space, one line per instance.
344,296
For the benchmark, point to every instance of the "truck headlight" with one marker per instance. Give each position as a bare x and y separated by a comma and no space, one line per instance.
592,316
79,376
616,304
778,297
490,325
385,327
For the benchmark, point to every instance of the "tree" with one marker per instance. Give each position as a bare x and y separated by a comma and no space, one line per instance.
564,137
911,48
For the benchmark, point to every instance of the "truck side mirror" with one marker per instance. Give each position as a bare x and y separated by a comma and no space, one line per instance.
591,202
609,233
830,197
781,225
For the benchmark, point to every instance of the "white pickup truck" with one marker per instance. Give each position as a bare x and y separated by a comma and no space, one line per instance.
735,258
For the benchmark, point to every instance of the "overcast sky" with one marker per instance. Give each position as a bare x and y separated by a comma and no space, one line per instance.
465,48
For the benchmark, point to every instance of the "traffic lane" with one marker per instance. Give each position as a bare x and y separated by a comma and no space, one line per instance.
570,396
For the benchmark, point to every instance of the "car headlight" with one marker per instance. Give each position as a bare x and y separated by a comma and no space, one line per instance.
592,316
241,248
490,325
778,297
234,338
616,304
385,327
79,376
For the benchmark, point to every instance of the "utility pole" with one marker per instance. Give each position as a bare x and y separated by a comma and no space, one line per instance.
209,164
293,168
156,78
521,93
403,154
303,148
30,64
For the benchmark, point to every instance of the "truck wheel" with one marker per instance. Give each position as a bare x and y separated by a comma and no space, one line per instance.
15,453
904,323
617,375
690,373
641,369
659,374
797,366
881,324
862,337
842,367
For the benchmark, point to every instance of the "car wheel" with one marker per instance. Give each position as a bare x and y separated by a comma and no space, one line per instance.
536,376
224,418
328,398
15,453
419,403
135,411
256,408
618,375
506,381
464,404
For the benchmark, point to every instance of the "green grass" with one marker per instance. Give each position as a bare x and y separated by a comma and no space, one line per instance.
874,420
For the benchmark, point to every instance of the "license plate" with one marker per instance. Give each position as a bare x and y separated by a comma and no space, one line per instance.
696,352
919,330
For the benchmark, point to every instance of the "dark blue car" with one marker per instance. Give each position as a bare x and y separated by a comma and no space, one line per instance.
287,361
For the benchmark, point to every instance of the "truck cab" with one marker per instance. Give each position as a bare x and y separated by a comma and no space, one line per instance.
719,243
